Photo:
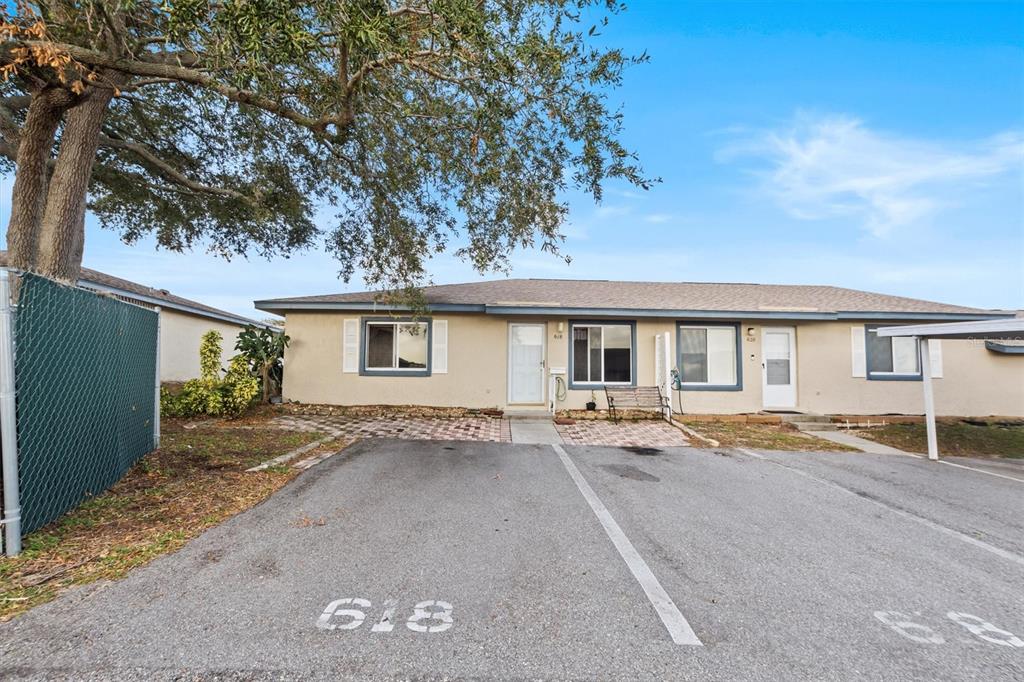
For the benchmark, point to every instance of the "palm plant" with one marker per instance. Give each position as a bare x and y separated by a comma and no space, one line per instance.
263,348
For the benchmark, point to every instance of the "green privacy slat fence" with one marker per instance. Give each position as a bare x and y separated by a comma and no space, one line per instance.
84,367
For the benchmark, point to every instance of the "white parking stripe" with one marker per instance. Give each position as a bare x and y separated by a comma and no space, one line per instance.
678,628
982,471
998,551
952,464
941,461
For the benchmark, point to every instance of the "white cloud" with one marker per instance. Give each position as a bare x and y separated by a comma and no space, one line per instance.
835,166
575,231
658,218
625,193
611,211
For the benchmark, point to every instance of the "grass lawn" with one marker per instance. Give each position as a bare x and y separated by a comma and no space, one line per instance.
195,480
759,436
1004,439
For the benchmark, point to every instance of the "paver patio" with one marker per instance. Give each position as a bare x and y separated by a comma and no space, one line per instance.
643,433
487,429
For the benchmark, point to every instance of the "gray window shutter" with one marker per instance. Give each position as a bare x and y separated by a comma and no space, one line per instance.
857,351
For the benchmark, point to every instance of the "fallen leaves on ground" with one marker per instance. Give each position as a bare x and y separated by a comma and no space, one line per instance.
194,481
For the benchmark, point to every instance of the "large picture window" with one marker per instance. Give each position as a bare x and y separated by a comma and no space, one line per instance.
892,357
602,353
708,356
396,347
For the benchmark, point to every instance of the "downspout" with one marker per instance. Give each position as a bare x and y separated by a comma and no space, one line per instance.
8,425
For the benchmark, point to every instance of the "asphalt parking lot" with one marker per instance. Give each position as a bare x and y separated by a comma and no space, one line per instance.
428,560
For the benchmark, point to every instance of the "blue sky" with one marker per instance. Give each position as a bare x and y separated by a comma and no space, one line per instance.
878,146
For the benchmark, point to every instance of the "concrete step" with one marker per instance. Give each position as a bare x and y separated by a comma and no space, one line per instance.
535,415
534,432
806,418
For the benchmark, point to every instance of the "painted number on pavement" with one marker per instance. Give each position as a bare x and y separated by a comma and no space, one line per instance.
901,624
350,612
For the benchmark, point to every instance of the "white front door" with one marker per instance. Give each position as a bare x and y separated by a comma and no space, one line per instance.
778,374
526,363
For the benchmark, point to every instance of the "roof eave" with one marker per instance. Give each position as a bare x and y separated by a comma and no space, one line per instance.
241,321
991,327
1005,348
283,306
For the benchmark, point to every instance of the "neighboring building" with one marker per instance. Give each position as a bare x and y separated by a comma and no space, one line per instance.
739,348
182,322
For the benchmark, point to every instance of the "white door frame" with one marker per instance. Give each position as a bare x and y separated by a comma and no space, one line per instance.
544,361
791,331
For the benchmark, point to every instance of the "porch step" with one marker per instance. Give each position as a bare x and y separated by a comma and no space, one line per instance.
532,415
803,418
534,432
810,422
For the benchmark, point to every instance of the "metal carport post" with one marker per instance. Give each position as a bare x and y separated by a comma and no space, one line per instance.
995,329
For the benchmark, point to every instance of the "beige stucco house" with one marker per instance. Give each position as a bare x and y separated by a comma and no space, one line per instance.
182,323
737,348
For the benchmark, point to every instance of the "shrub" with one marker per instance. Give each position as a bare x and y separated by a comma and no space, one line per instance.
211,394
209,355
264,351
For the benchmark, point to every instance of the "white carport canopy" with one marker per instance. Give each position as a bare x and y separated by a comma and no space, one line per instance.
997,329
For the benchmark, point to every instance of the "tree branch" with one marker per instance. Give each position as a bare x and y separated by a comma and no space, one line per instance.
169,172
414,11
411,58
15,102
196,77
9,149
143,82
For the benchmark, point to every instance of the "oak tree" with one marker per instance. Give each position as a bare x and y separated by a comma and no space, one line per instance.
387,128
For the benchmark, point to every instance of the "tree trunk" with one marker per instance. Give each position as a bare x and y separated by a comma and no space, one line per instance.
266,382
28,198
62,232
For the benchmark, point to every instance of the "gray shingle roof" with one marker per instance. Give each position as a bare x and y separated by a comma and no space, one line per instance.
645,296
101,280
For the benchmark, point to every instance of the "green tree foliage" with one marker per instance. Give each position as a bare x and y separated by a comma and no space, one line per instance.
385,128
211,394
263,349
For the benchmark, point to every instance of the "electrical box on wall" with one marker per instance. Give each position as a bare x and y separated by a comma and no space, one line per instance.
560,371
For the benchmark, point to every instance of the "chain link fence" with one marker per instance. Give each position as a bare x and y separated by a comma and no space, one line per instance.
85,376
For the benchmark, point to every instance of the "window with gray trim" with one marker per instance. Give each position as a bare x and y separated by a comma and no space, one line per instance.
708,355
602,353
891,357
396,346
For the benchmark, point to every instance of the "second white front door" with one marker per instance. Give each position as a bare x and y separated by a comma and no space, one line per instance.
526,363
778,374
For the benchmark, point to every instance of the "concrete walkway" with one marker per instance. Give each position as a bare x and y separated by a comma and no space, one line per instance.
534,431
862,444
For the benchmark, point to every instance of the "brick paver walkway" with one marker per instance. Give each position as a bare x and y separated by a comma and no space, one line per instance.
642,433
645,433
412,428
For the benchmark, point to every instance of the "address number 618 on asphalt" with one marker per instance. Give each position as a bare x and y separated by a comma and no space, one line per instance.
348,614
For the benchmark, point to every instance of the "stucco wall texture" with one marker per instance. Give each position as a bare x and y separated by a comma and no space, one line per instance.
975,382
180,334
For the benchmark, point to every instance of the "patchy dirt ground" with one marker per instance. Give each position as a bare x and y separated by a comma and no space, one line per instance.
195,480
974,438
759,436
